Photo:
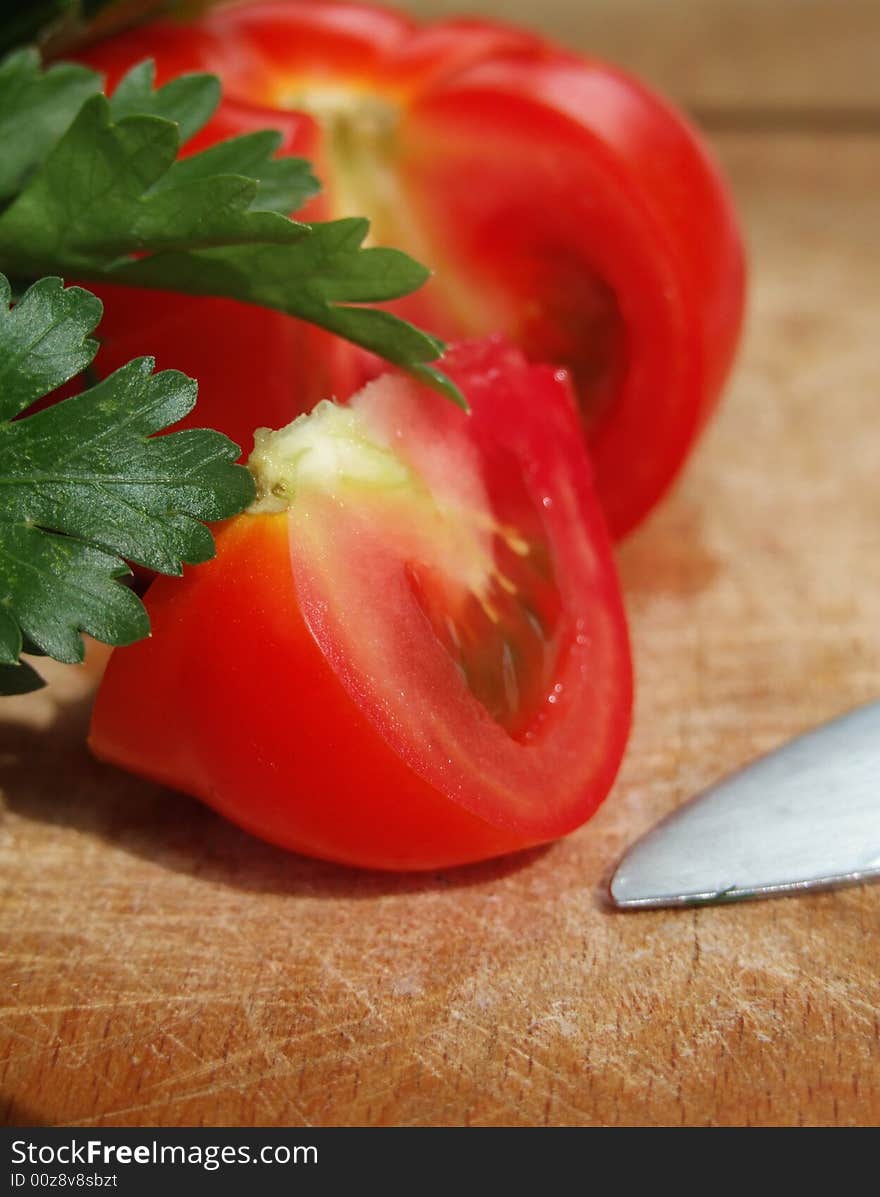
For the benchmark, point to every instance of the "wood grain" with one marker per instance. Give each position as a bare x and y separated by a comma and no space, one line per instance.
161,968
755,57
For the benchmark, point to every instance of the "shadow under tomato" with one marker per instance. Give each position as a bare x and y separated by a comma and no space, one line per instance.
49,776
667,556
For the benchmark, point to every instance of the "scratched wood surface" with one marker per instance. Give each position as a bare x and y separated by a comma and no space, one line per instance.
159,967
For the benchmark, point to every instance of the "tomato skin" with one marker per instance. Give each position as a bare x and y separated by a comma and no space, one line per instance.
242,698
557,199
355,803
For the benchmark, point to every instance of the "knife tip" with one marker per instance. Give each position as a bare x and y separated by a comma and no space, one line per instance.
622,895
626,892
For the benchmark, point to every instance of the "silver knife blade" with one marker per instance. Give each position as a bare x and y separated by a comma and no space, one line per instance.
806,816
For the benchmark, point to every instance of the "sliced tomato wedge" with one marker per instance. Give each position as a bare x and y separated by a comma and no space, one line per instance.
412,652
556,198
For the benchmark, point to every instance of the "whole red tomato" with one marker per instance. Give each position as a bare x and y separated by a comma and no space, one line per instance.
413,654
556,198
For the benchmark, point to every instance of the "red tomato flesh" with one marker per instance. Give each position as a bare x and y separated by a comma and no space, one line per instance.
412,653
557,200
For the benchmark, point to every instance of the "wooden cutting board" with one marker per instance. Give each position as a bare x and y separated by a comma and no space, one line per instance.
161,968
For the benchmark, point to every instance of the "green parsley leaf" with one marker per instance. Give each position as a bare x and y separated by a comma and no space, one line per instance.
35,109
44,341
86,485
189,100
111,202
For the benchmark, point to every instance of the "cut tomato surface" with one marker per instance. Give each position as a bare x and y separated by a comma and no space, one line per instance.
412,652
556,198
